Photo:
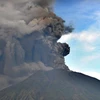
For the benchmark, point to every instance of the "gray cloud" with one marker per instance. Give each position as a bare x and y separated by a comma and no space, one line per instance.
20,73
19,17
4,81
27,69
16,14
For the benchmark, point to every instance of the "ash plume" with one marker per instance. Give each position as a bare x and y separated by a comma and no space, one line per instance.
17,14
44,3
29,31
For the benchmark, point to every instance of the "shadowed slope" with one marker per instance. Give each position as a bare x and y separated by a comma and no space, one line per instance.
54,85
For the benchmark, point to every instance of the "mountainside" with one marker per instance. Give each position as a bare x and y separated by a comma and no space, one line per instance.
54,85
32,63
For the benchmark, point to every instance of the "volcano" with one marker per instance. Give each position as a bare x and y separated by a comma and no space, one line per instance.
32,64
58,84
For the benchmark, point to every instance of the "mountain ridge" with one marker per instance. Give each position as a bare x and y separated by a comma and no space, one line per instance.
58,84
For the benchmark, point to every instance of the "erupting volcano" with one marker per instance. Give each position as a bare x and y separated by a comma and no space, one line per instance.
32,63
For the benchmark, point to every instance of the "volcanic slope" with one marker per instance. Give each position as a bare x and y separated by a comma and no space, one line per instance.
57,84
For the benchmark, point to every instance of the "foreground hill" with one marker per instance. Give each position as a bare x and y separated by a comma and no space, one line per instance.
54,85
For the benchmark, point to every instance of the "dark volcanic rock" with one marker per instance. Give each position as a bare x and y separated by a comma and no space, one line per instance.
54,85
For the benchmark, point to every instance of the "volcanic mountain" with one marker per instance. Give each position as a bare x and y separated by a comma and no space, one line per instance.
32,65
58,84
39,57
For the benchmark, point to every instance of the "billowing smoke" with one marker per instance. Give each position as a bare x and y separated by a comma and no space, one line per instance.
28,34
17,14
20,73
17,18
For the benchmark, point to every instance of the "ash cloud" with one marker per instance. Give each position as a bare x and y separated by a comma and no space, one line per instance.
16,20
21,54
27,69
20,73
16,14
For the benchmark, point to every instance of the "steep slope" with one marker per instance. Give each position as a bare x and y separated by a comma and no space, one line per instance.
54,85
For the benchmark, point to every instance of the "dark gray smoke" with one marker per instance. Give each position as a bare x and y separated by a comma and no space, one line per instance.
44,3
18,18
29,31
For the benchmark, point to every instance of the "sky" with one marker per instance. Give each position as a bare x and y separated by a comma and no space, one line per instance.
84,41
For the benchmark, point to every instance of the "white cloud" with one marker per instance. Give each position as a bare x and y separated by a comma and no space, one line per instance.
89,36
87,39
84,36
86,48
93,74
66,38
89,48
90,58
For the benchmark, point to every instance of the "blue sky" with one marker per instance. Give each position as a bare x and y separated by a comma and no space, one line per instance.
84,15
